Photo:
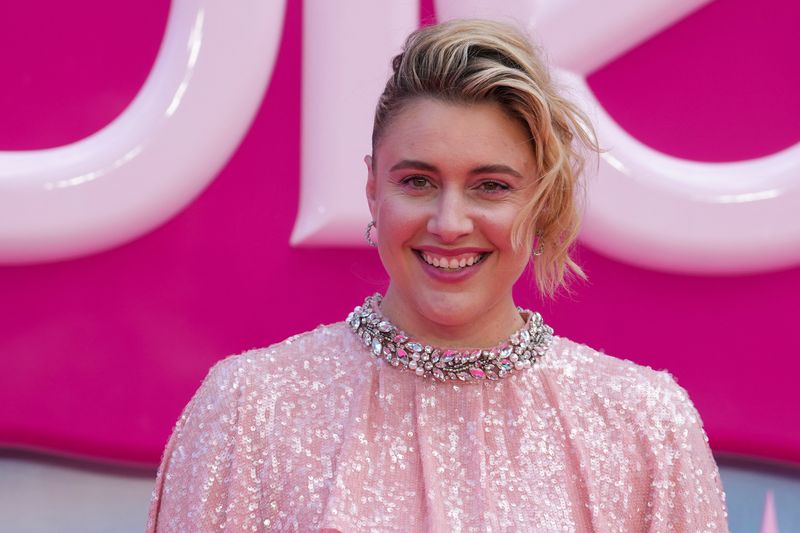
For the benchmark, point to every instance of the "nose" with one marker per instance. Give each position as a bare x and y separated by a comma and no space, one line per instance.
452,218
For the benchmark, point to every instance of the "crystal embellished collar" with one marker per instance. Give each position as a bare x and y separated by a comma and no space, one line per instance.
386,341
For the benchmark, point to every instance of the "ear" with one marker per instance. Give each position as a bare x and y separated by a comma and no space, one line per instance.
371,187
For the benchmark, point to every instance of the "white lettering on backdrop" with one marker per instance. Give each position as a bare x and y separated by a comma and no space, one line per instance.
160,153
645,207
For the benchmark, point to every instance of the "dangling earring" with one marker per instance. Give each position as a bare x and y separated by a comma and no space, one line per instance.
540,247
368,234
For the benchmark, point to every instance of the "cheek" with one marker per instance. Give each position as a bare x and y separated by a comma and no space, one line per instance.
398,222
497,225
498,228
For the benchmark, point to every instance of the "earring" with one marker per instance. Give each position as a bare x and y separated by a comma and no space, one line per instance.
540,247
368,234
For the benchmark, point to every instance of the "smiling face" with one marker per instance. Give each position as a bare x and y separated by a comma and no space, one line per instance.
446,186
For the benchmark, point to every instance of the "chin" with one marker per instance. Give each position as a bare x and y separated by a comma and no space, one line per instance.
450,309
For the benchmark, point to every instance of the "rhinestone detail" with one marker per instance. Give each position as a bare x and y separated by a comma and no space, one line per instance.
519,352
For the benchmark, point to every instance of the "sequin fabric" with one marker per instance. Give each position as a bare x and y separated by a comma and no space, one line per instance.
314,434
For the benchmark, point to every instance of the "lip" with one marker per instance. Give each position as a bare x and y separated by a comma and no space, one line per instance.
444,276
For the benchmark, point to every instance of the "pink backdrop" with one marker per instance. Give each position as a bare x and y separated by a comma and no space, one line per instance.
101,353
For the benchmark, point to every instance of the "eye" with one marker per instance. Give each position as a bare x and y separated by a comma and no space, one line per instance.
417,182
493,186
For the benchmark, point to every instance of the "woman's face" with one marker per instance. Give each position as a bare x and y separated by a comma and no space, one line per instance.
445,187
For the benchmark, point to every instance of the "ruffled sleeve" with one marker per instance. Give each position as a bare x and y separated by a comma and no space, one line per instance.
208,463
686,492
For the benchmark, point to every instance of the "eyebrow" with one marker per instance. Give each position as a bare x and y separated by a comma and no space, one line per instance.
496,168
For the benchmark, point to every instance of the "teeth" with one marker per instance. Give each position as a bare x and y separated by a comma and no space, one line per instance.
451,264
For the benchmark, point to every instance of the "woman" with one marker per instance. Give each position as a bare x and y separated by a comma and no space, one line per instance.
441,406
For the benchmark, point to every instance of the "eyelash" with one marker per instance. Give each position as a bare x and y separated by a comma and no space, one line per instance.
411,179
497,186
500,187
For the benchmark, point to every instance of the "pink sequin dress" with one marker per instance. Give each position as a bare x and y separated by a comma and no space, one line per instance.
315,434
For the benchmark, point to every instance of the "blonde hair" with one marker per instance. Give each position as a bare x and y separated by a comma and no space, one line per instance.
467,61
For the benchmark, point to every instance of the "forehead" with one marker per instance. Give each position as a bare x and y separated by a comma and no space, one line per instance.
476,133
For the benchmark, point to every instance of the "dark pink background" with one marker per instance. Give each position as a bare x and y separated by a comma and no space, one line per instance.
101,353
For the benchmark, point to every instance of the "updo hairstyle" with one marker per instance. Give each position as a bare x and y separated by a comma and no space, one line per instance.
469,61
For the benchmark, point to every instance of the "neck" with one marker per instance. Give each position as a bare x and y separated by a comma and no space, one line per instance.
485,330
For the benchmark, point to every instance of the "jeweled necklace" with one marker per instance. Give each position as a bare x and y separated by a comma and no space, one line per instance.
386,341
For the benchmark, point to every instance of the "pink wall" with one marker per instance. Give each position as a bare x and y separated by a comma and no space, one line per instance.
102,353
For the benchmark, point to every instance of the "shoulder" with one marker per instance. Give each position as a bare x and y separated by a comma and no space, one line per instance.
639,392
315,344
573,359
313,357
238,416
240,390
647,428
